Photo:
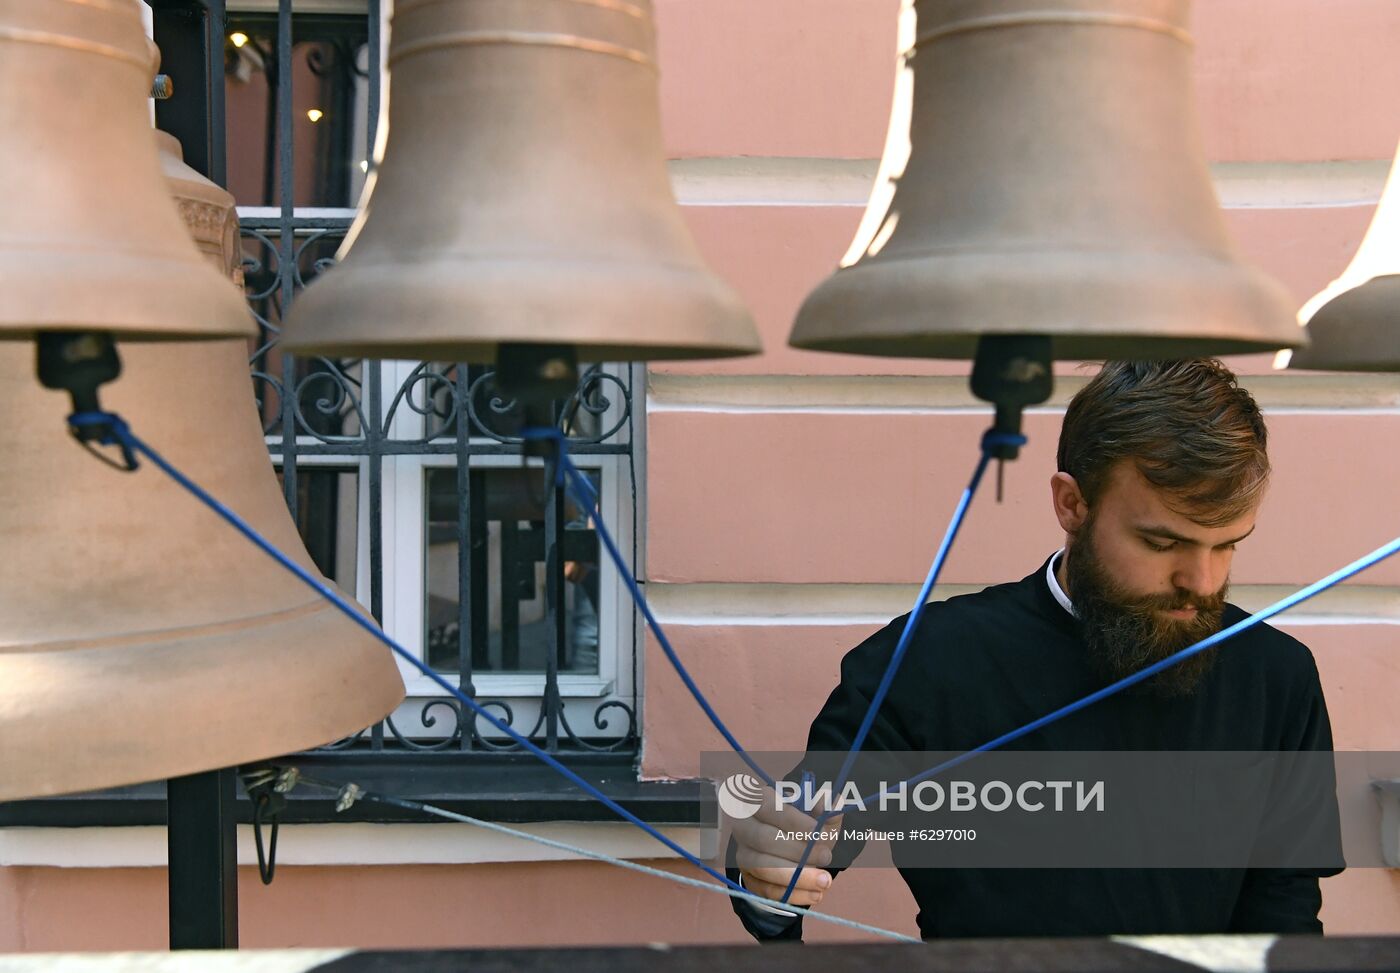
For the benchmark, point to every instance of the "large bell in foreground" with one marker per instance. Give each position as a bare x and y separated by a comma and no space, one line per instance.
141,637
1045,176
1355,322
89,239
521,197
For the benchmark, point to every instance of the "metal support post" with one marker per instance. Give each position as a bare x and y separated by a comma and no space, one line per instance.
203,850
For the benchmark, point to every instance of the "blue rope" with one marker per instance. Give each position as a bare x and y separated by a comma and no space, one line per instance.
583,491
119,433
990,440
582,488
1282,605
83,420
695,883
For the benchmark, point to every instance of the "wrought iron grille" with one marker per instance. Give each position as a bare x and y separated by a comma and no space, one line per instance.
515,600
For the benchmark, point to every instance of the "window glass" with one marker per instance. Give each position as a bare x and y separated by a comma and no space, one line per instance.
515,631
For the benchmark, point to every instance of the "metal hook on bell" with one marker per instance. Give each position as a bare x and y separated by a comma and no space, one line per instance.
267,789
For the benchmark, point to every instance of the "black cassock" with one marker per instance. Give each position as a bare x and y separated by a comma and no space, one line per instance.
983,664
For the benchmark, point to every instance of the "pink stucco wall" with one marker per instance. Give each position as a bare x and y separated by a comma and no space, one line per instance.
1277,79
410,907
766,502
759,499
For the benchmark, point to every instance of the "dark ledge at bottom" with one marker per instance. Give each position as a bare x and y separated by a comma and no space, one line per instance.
507,788
1286,954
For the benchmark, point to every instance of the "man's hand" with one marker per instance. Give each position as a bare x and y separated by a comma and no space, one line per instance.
767,855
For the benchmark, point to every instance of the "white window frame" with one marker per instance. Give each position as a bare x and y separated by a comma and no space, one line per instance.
404,567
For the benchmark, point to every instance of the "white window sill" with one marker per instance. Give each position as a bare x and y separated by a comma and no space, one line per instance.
529,685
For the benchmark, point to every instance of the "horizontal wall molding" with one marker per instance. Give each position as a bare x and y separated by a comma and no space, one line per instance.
445,843
1288,185
751,181
793,605
764,181
1280,393
180,961
755,181
797,605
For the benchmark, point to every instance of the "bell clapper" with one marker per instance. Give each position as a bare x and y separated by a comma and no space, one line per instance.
1012,372
80,363
537,376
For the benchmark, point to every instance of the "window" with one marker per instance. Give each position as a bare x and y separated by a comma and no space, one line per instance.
405,478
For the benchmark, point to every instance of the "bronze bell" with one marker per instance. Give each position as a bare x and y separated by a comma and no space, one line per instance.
1355,322
1044,176
90,239
142,637
207,210
521,197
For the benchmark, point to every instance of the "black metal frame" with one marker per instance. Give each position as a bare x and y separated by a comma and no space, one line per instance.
190,35
510,787
201,839
202,845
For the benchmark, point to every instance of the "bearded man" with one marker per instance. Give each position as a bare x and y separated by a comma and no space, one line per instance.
1162,466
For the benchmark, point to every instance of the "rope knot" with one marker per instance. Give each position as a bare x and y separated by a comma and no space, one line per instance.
994,440
105,429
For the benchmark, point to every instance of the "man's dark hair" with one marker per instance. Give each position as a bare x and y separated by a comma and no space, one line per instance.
1187,426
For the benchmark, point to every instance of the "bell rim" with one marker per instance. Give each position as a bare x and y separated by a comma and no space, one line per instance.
462,310
1230,308
300,705
484,353
1344,333
175,297
1105,346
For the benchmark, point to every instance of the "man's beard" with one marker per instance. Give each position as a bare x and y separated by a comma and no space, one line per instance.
1126,632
